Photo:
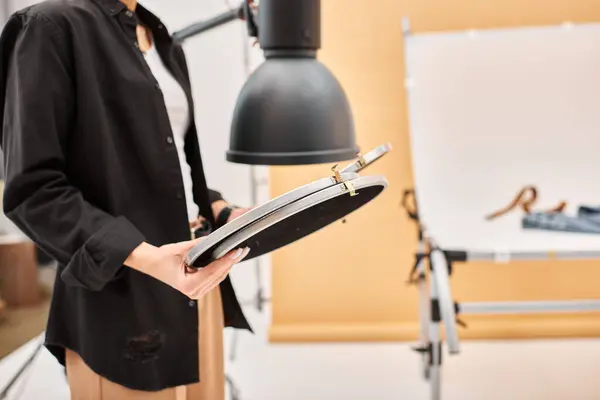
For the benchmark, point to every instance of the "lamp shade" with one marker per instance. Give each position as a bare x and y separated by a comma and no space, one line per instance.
291,110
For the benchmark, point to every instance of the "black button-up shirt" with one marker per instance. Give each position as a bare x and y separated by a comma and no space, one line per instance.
92,172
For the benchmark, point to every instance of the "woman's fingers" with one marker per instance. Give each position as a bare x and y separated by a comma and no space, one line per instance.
214,273
215,280
219,269
233,257
210,283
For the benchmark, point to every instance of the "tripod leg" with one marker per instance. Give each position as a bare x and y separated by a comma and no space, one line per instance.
424,306
234,391
28,363
445,303
435,344
233,349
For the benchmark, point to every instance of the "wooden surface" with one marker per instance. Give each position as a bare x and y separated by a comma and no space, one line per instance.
19,274
346,283
480,327
20,325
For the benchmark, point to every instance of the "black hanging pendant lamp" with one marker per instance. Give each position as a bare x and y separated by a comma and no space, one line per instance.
291,110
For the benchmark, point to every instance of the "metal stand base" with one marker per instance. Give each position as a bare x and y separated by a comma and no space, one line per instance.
424,307
439,296
529,307
444,309
435,343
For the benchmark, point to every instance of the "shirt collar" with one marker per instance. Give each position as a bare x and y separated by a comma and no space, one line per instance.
151,20
115,7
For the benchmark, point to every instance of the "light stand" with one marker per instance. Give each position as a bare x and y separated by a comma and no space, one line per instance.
204,26
442,310
418,277
437,306
259,300
26,365
243,12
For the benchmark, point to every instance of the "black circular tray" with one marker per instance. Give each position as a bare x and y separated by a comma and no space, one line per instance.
293,221
210,242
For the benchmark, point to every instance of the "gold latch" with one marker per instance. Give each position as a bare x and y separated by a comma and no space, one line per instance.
338,179
361,160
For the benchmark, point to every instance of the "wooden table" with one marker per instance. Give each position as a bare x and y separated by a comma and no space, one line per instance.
19,285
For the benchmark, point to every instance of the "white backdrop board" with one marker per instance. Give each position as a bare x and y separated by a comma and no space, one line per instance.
492,111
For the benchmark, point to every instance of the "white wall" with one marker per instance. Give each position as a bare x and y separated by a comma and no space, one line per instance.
4,11
15,5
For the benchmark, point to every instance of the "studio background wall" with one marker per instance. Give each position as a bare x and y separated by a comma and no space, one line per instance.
347,283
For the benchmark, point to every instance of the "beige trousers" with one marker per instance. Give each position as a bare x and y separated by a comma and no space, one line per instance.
87,385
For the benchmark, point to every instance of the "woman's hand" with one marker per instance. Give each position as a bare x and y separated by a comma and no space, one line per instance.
167,264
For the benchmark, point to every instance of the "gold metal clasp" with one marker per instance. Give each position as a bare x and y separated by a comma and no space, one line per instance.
336,174
361,160
350,188
338,179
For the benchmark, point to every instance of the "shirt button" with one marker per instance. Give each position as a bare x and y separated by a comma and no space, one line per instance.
157,86
192,303
160,26
170,140
129,13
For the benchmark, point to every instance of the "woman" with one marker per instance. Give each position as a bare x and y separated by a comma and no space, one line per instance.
103,172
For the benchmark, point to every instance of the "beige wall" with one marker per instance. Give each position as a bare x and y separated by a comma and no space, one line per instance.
347,281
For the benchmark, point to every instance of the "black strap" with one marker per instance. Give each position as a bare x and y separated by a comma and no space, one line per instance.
224,215
412,212
204,229
414,276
